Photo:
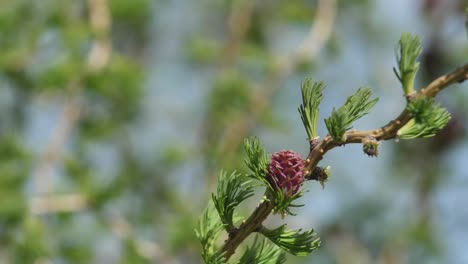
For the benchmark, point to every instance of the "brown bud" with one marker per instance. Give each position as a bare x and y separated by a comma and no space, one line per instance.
370,146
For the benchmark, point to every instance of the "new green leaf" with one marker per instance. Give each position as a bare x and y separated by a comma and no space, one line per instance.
283,203
262,253
309,109
209,228
407,51
257,160
231,191
293,241
428,119
354,108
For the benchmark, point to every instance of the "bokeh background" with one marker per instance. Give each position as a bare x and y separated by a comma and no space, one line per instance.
116,117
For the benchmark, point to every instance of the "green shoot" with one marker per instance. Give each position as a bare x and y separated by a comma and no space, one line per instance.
407,51
262,253
354,108
209,228
293,241
428,119
231,191
309,109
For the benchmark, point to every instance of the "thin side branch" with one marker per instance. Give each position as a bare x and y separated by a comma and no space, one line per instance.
319,33
239,23
254,222
47,204
97,59
54,148
390,130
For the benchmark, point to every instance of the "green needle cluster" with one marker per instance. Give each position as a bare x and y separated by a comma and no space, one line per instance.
293,241
309,109
355,107
407,51
428,119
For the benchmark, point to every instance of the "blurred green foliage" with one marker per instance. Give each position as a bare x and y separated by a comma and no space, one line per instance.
136,210
45,51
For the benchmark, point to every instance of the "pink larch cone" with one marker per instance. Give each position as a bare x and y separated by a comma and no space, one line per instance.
286,171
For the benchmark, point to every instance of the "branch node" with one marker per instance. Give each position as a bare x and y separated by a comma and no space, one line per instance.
233,232
411,96
320,174
370,146
313,143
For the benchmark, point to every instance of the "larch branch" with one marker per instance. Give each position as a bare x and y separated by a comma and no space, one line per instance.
386,132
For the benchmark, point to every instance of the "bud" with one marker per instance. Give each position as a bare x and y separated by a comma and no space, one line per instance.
286,171
370,146
313,142
320,174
